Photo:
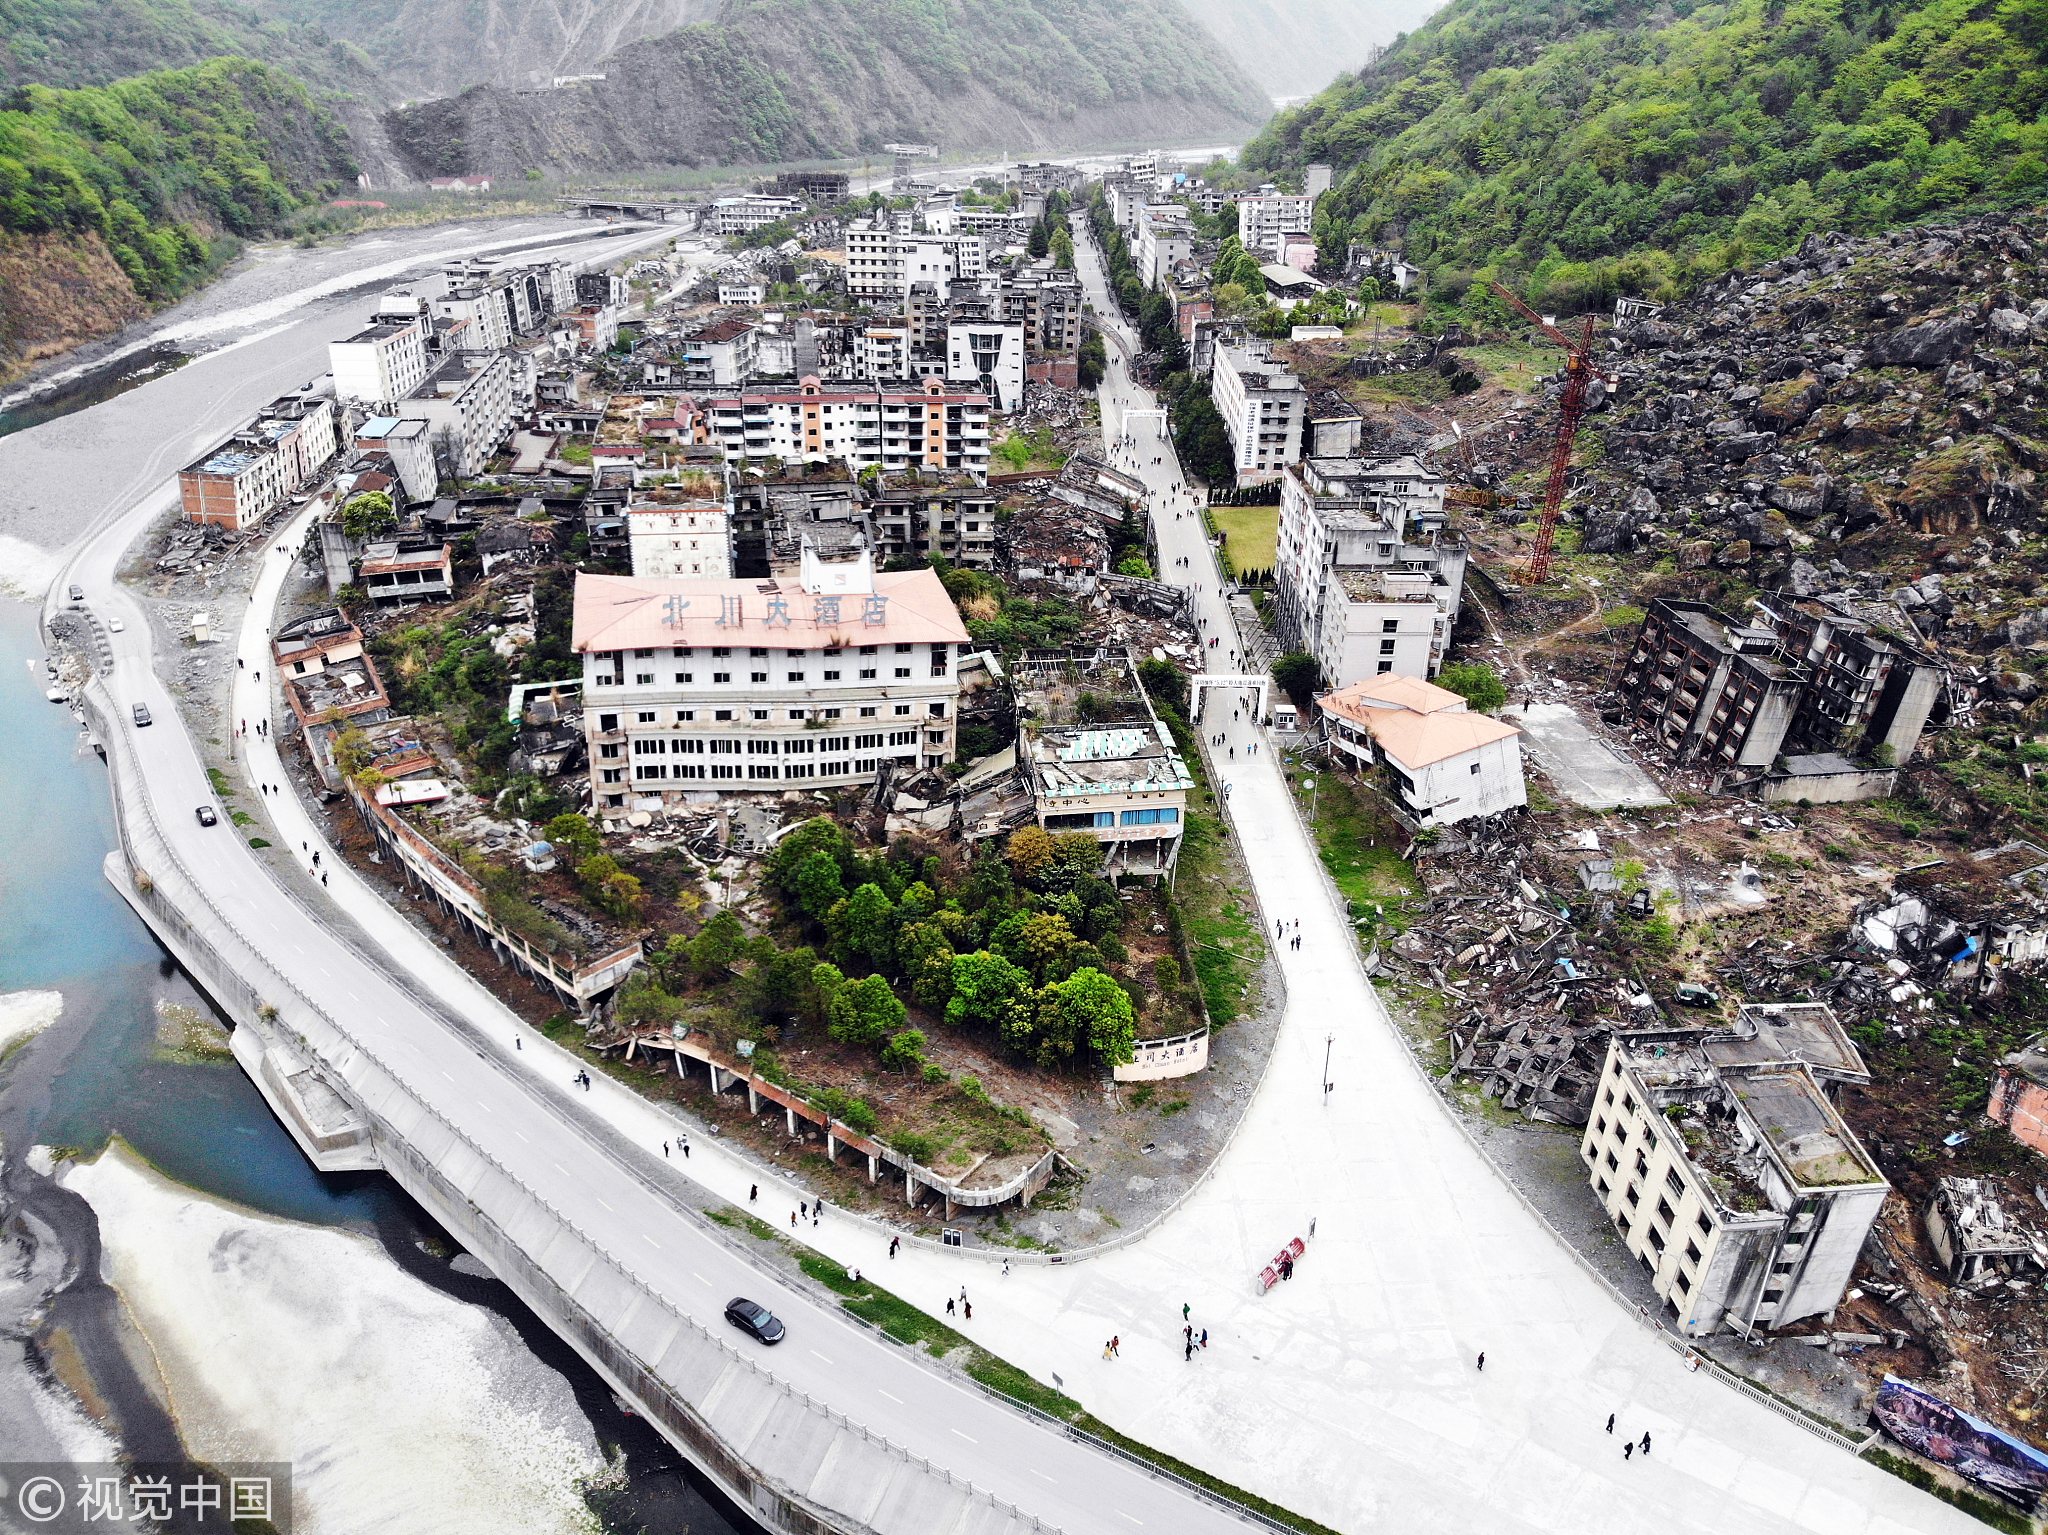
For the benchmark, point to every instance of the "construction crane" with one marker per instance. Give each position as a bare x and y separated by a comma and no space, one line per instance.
1579,374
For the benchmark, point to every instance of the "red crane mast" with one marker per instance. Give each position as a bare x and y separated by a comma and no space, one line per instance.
1579,374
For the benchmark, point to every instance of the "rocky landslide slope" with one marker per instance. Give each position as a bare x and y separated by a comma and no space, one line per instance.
798,79
1866,418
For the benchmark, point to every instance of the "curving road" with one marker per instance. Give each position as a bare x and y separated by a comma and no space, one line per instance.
550,1137
1350,1394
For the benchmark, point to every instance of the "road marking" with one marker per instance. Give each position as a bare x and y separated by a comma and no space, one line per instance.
896,1399
816,1355
702,1280
968,1437
523,1138
608,1207
1131,1518
560,1168
445,1074
657,1247
1042,1476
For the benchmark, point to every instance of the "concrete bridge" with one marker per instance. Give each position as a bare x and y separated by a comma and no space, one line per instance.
629,206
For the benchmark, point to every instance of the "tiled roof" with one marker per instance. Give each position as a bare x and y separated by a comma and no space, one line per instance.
627,612
1416,722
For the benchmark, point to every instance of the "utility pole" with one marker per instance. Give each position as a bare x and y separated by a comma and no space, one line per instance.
1328,1041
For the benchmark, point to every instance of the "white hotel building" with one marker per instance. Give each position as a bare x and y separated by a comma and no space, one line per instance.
750,686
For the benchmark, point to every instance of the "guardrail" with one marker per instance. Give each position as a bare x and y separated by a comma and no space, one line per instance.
1693,1357
130,808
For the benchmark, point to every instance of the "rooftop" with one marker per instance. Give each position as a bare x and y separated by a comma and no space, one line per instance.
1774,1033
1070,761
1416,722
626,612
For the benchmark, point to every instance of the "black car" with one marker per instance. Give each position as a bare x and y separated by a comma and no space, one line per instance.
141,712
749,1317
206,816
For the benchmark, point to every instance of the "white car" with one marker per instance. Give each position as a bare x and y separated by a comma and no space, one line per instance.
116,625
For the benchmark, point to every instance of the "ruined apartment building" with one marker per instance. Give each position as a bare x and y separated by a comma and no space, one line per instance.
1728,1171
1124,782
1369,576
1807,678
739,686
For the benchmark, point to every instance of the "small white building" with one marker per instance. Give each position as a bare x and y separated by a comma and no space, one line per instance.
1262,406
742,293
991,355
1439,760
681,531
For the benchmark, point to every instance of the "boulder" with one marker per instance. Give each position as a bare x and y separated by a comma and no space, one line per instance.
2009,326
1696,554
1731,555
2027,630
1744,446
1665,474
2015,685
1930,344
1788,406
1804,578
1801,497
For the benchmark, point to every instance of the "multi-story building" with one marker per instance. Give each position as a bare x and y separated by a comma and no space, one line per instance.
872,269
1264,221
383,362
1262,406
1164,237
989,356
682,529
1369,577
1729,1173
723,355
244,479
829,187
468,407
882,262
931,424
948,514
1807,678
1123,781
1439,760
409,444
740,686
500,302
882,352
743,215
606,288
407,570
1048,305
753,293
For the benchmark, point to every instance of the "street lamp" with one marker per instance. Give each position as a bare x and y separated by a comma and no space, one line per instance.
1313,785
1328,1041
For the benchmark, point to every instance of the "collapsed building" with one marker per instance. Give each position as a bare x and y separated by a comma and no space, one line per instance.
1729,1173
1981,1242
1966,921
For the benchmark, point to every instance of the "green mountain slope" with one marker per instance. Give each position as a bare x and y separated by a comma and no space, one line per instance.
792,79
74,43
118,195
1551,140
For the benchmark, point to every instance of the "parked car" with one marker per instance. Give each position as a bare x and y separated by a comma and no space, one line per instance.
77,592
116,625
752,1317
206,816
141,712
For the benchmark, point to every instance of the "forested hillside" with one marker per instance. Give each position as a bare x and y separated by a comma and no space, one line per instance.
93,42
795,79
1588,146
115,195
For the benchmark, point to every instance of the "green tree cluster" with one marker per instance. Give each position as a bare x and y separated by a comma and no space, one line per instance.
1581,153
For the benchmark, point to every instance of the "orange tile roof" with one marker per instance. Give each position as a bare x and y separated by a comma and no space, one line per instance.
628,612
1416,722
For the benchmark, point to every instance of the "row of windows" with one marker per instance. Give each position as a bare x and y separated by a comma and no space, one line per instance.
607,723
1089,820
684,652
654,772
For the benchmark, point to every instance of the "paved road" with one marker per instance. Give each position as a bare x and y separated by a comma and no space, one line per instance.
541,1130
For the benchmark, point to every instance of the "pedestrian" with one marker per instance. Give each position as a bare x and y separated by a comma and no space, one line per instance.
1482,1360
305,846
792,1217
1116,1346
1610,1423
894,1243
316,860
516,1044
1628,1450
963,1295
806,1209
1188,1334
1205,1337
1188,1350
323,876
686,1149
1646,1441
753,1193
1109,1350
664,1148
814,1214
967,1310
1006,1268
241,664
949,1305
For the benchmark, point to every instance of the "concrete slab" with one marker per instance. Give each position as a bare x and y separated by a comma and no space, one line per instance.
1585,769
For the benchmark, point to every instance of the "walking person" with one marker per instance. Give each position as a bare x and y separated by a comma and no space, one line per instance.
1482,1360
664,1148
967,1310
894,1243
753,1193
516,1043
1610,1423
1205,1338
1116,1346
1628,1450
949,1306
686,1148
1646,1441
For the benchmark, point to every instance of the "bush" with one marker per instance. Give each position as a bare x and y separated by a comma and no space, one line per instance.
905,1051
1477,683
859,1117
914,1146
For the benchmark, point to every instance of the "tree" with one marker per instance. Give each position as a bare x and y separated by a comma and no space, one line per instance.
1063,249
1133,564
642,1000
1299,676
1039,241
826,979
925,958
862,1012
1092,361
1087,1009
574,833
817,885
905,1051
1476,682
867,927
1167,683
987,991
782,983
1036,942
1078,852
367,515
1030,849
820,834
609,887
719,945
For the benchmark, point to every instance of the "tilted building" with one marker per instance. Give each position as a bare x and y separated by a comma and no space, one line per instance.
1439,760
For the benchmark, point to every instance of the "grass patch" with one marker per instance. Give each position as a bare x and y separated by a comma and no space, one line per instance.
1180,1468
258,842
1251,536
1222,939
1140,1096
1998,1515
219,780
1359,842
241,818
1168,1110
1425,386
740,1220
